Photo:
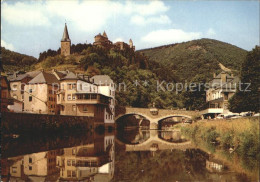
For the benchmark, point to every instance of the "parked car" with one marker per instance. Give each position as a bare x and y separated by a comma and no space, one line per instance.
256,114
236,116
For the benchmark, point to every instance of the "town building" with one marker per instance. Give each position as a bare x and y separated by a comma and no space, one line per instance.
5,94
81,96
221,89
17,83
40,94
65,42
106,87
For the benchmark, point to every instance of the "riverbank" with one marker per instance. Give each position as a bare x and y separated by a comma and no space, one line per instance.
234,141
241,134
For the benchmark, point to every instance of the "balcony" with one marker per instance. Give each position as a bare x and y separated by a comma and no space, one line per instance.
83,98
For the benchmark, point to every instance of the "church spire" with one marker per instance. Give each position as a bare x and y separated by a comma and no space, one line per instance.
65,36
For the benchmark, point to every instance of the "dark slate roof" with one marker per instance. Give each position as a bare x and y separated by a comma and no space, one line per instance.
71,76
101,79
60,74
44,77
65,36
19,77
33,73
229,84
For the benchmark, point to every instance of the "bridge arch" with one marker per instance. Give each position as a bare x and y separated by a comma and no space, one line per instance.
132,113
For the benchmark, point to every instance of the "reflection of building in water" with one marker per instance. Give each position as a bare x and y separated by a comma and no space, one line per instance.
40,164
32,167
214,165
93,161
173,136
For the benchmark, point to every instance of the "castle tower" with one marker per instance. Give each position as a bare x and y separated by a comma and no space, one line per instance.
131,45
104,34
65,42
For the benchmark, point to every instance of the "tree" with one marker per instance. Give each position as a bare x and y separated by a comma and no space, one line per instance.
247,99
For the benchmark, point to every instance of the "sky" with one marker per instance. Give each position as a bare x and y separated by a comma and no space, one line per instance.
34,26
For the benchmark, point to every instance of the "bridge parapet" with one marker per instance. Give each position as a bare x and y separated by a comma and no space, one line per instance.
162,114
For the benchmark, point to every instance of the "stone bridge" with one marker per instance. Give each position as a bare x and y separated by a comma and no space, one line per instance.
160,114
154,140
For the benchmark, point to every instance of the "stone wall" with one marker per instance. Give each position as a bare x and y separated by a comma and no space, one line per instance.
23,123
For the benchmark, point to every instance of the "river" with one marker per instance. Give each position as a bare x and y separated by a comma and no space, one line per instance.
130,154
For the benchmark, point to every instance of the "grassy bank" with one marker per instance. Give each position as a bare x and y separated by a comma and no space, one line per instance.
234,141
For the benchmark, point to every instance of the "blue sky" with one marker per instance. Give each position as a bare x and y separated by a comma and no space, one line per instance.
31,27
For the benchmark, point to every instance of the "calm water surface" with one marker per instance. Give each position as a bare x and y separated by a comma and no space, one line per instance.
125,155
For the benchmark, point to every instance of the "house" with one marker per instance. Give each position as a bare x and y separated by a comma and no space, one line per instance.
17,83
17,106
106,87
5,98
40,94
220,90
79,96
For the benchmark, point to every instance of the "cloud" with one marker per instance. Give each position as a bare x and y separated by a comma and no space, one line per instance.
87,16
153,8
161,37
142,21
24,14
211,32
7,46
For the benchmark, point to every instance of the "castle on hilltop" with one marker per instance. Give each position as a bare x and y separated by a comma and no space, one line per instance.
100,40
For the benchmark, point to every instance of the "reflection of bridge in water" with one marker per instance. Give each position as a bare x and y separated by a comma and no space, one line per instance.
154,143
155,117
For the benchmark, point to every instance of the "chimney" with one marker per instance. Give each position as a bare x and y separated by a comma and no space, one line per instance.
232,75
15,75
42,70
214,75
223,77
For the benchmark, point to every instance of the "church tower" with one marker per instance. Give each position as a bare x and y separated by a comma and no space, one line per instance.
65,42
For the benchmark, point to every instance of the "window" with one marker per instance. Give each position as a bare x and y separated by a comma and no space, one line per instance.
85,108
69,173
74,86
73,173
30,98
69,96
74,108
30,90
14,169
30,160
73,163
69,86
30,168
73,151
73,97
14,87
62,86
69,163
80,86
